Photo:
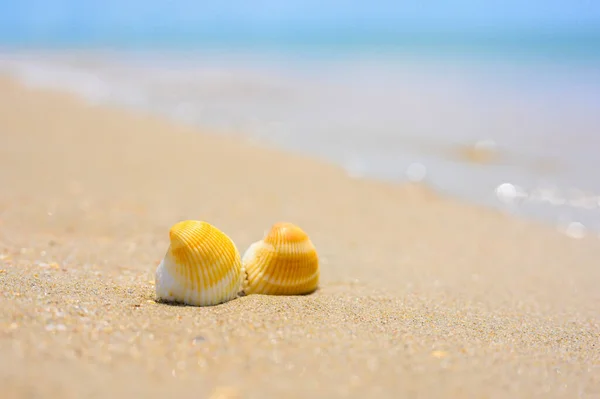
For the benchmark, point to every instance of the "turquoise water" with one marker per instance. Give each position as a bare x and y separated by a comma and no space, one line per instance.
571,46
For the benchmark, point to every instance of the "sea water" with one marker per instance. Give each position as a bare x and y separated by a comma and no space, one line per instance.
397,113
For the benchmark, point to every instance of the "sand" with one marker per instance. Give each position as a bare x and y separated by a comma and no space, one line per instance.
420,295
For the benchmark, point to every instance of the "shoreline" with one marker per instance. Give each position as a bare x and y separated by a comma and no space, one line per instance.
548,168
419,294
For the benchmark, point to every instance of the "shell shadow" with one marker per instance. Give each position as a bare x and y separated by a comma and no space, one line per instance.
240,295
185,305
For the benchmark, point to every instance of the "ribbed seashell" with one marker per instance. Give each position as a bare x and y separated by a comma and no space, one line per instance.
201,267
284,262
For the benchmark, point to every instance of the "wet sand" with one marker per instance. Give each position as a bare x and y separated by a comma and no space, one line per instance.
420,295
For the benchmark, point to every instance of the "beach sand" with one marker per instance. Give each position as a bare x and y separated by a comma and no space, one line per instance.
420,295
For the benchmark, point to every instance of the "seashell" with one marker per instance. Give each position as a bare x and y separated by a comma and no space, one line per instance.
284,262
202,266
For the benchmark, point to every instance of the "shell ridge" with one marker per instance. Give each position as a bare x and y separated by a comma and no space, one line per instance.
252,259
298,280
235,270
220,274
234,280
195,281
231,289
208,269
229,286
213,263
224,282
263,266
227,279
193,278
224,257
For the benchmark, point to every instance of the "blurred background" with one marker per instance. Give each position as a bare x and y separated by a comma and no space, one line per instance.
497,103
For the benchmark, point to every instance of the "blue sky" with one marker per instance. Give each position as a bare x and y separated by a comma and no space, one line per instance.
424,12
40,17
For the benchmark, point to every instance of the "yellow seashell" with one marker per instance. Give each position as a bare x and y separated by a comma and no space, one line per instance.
201,267
284,262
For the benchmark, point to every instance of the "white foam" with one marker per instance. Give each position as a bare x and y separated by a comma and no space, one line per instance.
576,230
416,172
